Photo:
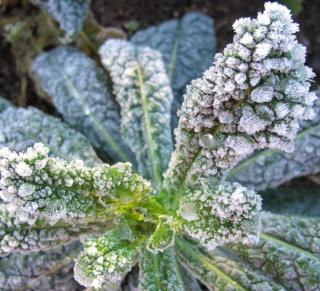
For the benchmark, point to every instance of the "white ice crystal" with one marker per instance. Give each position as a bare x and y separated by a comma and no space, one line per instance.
223,214
258,88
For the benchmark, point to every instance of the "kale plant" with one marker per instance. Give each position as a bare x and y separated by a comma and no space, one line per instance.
175,209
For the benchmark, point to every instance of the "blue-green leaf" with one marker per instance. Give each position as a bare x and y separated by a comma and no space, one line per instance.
70,14
79,91
143,91
21,128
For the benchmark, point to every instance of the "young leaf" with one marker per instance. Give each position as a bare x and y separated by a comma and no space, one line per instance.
35,186
21,128
79,91
104,260
271,168
68,13
4,104
160,271
217,215
40,270
251,98
221,272
143,91
187,46
288,251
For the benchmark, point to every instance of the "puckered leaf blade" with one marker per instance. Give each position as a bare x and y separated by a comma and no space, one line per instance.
143,91
51,270
79,91
288,251
187,46
220,272
68,13
36,186
270,168
21,128
160,271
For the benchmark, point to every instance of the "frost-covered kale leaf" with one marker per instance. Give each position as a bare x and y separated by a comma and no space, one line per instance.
285,258
270,168
35,186
21,128
143,91
160,271
252,98
187,46
70,14
51,270
79,91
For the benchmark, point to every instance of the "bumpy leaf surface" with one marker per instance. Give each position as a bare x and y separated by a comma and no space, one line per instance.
143,91
288,251
21,128
270,168
40,270
160,271
79,91
35,186
252,98
187,46
220,272
69,14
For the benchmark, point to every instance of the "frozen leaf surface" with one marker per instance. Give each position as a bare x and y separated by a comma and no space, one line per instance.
79,91
270,168
143,91
21,128
187,46
160,271
70,14
40,270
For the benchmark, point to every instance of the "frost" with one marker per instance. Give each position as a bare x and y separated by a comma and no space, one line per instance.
143,91
70,14
274,63
226,214
21,128
79,91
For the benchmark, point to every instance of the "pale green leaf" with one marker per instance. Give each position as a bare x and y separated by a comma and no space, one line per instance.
143,91
159,272
79,91
70,14
4,104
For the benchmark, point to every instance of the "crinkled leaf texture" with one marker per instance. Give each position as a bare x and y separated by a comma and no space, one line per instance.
70,14
271,168
143,91
160,271
187,46
286,258
79,91
21,128
51,270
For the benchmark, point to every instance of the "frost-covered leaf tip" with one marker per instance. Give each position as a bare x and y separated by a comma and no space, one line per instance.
251,98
